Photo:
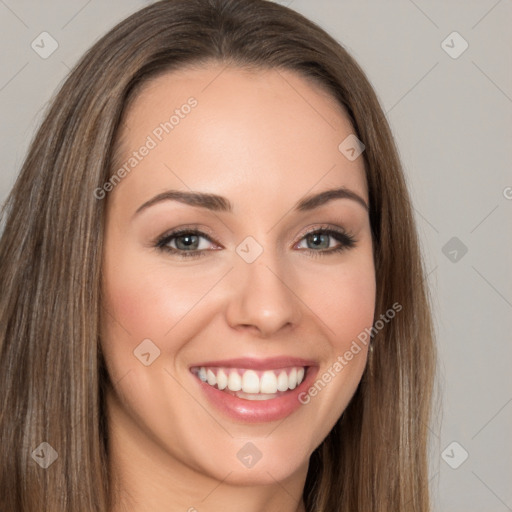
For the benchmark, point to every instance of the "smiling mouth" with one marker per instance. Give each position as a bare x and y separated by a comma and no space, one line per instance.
251,384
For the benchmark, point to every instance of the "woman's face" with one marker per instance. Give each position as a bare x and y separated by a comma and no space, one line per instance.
256,295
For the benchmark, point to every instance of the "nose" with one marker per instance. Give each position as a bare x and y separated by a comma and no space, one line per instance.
263,298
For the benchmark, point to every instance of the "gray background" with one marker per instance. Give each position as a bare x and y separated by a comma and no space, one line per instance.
452,121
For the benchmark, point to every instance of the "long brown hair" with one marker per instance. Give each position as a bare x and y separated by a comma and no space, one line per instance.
52,373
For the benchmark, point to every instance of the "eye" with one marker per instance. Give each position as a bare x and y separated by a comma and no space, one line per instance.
186,242
321,239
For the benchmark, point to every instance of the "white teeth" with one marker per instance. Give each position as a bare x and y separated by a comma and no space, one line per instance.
268,382
282,381
292,379
234,381
255,396
211,378
250,382
222,379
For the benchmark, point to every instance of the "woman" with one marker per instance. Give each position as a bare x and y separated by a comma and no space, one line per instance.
171,336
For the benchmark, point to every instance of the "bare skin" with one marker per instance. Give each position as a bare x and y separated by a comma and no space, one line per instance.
263,140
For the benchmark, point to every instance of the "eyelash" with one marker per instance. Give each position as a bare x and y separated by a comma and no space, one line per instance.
347,241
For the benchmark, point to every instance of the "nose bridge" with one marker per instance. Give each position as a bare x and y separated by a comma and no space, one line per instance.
262,289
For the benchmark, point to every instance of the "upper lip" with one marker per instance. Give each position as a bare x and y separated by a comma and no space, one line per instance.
271,363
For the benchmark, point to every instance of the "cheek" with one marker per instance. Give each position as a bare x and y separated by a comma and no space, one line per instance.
346,304
148,299
138,304
345,299
351,306
145,298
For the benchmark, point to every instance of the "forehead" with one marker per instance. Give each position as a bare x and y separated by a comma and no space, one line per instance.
268,129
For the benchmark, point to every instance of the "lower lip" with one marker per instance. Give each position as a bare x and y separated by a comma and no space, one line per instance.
257,411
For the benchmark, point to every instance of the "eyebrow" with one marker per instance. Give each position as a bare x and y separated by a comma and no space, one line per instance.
218,203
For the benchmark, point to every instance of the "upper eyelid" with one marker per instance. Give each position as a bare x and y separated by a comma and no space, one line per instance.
323,227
